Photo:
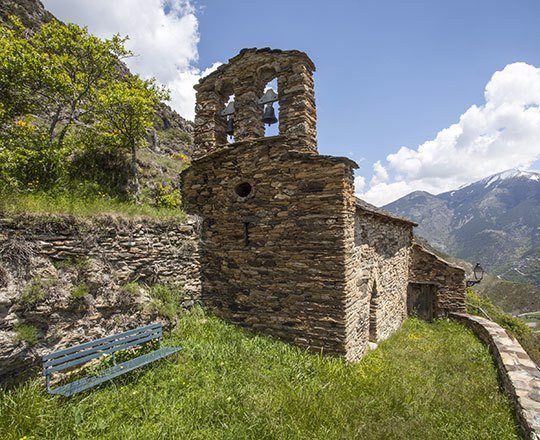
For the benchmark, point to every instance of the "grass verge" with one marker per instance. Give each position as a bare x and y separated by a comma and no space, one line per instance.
428,381
79,205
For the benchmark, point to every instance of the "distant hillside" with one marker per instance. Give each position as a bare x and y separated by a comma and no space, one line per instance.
513,297
495,221
171,139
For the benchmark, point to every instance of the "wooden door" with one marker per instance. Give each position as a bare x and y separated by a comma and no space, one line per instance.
420,300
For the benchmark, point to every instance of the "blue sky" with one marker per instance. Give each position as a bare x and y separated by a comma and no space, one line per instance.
390,74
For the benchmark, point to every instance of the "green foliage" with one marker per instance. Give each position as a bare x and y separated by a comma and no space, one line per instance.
26,333
80,290
81,203
427,381
166,300
36,290
28,158
90,118
167,196
529,340
131,288
81,264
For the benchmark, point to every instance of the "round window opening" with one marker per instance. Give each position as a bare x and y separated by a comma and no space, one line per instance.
243,189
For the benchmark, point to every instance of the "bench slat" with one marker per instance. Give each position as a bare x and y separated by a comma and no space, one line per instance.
79,347
125,367
96,355
134,339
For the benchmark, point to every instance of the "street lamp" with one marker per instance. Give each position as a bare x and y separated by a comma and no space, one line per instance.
478,273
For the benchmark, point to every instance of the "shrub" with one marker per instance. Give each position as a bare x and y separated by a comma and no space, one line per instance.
79,263
28,158
26,333
36,290
131,288
80,290
167,196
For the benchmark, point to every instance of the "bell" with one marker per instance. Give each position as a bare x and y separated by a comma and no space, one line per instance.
230,127
269,115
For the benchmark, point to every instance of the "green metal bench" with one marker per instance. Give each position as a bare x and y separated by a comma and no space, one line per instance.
80,354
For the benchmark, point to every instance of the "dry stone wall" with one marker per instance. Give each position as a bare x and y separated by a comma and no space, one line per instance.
66,281
449,280
274,258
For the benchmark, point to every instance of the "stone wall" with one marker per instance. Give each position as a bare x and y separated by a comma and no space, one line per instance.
245,76
72,280
274,258
449,280
520,376
377,270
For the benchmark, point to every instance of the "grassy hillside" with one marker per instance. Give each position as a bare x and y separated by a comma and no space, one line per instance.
428,381
81,126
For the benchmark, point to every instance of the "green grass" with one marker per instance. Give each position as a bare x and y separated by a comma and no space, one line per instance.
26,333
79,205
80,290
166,300
131,288
428,381
36,290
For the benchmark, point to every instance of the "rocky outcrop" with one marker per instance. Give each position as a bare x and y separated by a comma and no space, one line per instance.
31,13
65,280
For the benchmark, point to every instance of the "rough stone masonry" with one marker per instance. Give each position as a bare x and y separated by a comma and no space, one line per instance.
287,249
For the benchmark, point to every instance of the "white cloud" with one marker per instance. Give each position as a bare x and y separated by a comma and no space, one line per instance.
502,133
359,183
163,35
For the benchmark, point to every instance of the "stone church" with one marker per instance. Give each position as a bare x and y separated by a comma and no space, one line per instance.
287,249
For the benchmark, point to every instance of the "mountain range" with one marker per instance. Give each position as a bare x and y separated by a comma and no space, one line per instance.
494,221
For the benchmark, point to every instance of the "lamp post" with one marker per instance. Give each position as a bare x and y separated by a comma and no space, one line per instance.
478,273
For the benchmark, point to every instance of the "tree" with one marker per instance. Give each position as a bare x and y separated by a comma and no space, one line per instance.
56,73
66,84
19,64
126,110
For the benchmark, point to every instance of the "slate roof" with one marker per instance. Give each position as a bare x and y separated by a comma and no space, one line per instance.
368,207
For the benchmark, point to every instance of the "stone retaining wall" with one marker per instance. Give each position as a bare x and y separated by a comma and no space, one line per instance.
520,376
65,280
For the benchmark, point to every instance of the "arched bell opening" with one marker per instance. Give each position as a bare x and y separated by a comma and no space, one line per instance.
269,103
228,114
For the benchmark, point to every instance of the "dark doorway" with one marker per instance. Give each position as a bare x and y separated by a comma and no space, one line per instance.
373,303
421,300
